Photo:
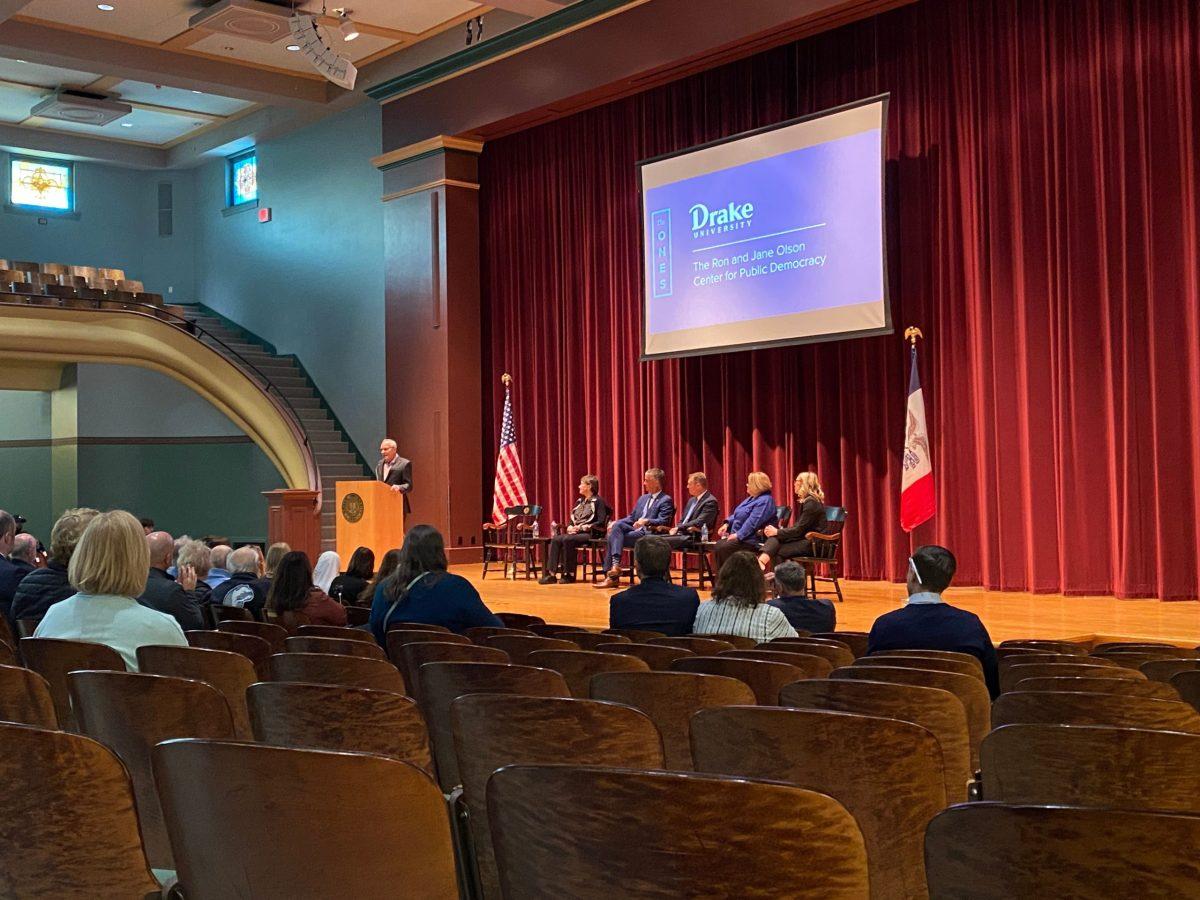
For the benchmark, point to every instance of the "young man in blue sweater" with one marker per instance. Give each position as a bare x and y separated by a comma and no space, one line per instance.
927,622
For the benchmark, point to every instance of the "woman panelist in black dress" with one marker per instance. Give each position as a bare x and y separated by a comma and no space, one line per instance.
788,543
587,521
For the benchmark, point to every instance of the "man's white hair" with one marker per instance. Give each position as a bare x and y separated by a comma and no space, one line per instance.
388,442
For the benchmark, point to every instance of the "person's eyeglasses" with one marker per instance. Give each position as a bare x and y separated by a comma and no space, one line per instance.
916,574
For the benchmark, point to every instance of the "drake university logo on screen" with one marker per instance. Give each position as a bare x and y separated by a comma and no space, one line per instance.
731,217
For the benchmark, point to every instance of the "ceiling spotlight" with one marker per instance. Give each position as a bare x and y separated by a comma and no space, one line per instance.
293,47
126,124
197,92
348,29
105,7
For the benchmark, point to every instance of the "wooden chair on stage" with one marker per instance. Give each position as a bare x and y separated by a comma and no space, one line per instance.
510,544
825,562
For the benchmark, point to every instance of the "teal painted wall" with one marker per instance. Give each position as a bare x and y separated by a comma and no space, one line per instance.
311,280
117,227
25,471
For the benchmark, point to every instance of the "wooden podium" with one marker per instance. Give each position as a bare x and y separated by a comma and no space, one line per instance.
369,514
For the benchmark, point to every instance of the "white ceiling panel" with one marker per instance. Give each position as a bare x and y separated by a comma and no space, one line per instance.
44,76
144,20
144,126
178,98
15,102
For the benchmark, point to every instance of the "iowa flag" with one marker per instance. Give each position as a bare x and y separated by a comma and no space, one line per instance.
918,501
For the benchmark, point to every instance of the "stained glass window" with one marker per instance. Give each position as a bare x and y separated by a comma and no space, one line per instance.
41,184
243,178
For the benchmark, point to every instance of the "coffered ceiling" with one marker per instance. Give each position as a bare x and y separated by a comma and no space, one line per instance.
183,81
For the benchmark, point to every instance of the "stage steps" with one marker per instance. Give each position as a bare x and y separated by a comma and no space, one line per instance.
336,457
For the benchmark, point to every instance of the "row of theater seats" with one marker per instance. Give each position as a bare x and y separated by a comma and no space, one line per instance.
80,287
593,765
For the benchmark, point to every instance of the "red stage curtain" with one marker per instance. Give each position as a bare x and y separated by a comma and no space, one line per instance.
1043,221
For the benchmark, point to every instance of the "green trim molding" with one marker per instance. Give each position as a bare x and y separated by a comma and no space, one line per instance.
514,39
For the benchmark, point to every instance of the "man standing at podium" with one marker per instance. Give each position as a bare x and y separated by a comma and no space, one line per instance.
393,469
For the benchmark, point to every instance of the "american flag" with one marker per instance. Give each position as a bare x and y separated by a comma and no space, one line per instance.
510,480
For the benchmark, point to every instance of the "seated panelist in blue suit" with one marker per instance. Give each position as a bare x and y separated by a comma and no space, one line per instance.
741,530
653,508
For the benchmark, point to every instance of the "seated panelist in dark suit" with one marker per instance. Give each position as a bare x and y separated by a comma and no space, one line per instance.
393,469
740,530
587,522
653,508
699,513
790,542
654,603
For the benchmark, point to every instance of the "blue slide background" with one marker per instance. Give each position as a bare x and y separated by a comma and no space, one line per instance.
747,269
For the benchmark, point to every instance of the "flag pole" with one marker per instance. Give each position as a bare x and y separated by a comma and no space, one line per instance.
912,334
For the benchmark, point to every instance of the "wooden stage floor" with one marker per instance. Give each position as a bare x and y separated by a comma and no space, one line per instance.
1007,614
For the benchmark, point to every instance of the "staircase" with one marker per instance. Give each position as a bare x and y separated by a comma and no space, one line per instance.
337,459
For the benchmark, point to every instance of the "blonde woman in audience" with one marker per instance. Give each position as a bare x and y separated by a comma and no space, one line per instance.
108,569
275,553
739,604
790,542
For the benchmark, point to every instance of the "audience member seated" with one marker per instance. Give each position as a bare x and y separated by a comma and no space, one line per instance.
587,522
245,587
654,508
218,572
790,542
275,555
347,586
18,557
147,525
166,594
42,588
109,570
802,613
421,590
292,590
197,555
387,567
699,516
740,530
739,604
654,603
327,568
927,622
179,542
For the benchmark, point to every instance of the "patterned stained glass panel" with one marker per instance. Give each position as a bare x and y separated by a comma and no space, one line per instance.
243,178
41,184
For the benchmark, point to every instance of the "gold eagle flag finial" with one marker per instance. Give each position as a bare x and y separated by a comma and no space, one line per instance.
911,333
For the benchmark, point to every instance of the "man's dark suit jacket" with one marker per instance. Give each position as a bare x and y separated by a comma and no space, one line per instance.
11,573
400,475
166,595
937,626
655,605
699,511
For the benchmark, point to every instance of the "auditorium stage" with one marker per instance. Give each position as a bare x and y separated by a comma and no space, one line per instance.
1007,614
